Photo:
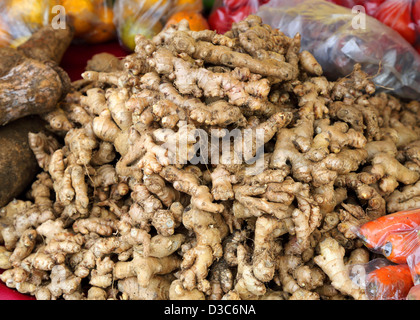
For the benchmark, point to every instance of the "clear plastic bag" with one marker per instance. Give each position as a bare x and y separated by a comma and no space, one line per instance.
413,262
92,19
376,233
397,237
392,282
400,15
382,279
370,5
414,293
149,17
19,19
338,39
399,246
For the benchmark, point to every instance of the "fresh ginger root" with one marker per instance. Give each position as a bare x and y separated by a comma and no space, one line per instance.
331,261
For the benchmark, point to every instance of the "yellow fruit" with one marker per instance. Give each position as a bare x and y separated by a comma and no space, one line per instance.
31,12
195,19
130,28
192,5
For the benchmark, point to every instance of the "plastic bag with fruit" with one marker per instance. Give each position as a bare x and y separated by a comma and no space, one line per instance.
149,17
395,239
413,262
387,281
370,5
339,38
226,12
20,18
92,19
401,15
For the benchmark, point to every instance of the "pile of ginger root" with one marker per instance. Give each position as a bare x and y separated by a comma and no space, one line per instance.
120,210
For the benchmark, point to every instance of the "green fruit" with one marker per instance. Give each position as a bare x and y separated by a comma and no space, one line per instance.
130,28
208,5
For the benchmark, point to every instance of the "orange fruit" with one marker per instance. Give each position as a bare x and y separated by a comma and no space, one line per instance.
104,30
195,19
105,14
82,15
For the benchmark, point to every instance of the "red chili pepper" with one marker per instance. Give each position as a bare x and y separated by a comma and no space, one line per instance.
414,293
374,232
399,245
389,283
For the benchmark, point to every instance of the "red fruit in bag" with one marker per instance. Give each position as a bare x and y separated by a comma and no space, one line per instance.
389,283
397,15
413,262
234,4
242,13
346,3
372,6
220,20
399,245
374,232
415,12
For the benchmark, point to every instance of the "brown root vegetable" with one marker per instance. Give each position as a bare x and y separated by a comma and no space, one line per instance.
18,165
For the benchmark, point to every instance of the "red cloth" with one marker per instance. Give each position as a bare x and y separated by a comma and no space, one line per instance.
11,294
75,59
74,62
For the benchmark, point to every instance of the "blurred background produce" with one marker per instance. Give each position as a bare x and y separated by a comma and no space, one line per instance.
149,17
401,15
98,21
92,19
226,12
329,33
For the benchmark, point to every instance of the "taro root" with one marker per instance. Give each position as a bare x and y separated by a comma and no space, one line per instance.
18,165
31,82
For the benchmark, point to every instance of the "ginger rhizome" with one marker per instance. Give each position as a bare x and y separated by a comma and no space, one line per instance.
208,166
